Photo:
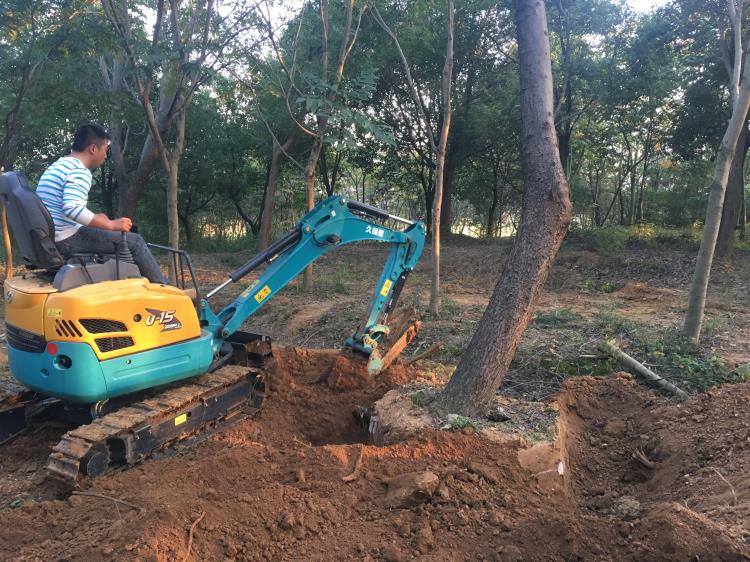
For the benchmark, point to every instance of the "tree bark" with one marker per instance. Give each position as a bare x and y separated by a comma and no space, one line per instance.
273,180
545,216
727,149
733,199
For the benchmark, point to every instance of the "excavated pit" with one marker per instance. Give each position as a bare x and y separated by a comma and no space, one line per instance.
638,482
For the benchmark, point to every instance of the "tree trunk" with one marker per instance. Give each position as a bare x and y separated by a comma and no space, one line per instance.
733,199
273,180
699,287
173,224
312,163
440,164
546,214
131,191
446,210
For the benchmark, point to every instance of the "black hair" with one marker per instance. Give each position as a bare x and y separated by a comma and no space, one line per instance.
90,133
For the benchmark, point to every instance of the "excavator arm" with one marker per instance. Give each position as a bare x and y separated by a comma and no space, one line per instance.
334,222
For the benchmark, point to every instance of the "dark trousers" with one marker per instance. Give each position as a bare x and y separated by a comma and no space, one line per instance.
98,241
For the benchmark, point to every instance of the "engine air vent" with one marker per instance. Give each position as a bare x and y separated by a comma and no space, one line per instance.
67,328
102,326
113,344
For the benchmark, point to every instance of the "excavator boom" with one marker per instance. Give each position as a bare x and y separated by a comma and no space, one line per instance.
333,223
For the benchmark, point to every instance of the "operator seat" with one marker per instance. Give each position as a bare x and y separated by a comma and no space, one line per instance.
30,223
31,226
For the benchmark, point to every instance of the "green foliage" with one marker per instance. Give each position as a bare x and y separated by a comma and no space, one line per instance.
458,423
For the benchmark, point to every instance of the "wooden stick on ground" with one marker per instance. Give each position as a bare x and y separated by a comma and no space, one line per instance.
731,488
628,361
190,536
429,351
110,498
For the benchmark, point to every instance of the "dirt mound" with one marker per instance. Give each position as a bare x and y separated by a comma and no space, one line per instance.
644,292
300,481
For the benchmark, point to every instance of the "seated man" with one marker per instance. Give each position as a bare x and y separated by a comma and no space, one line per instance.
64,190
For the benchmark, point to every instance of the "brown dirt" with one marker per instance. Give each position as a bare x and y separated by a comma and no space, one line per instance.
271,487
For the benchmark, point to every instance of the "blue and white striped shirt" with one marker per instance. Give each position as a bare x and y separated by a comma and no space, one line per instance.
64,190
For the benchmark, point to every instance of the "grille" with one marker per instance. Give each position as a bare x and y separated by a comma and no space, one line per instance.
67,328
102,326
24,340
113,344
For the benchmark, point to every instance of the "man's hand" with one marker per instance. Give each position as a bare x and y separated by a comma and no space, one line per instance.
100,220
123,224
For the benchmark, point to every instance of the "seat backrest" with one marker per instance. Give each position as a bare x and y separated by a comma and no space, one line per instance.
29,222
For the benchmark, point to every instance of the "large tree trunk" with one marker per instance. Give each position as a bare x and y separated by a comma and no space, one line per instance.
733,198
545,217
741,102
273,180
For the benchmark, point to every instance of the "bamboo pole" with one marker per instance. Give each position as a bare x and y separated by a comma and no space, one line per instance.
8,249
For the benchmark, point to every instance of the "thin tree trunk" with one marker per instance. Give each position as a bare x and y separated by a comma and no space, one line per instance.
545,217
273,180
440,167
446,209
312,162
740,104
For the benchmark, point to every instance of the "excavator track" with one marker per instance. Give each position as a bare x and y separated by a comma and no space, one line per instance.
130,434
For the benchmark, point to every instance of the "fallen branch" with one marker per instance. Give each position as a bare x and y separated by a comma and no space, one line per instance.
190,535
426,353
611,349
354,474
110,498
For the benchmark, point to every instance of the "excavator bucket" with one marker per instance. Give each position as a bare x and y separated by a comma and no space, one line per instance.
403,329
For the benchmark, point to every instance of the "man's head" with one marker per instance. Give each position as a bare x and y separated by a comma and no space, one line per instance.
90,144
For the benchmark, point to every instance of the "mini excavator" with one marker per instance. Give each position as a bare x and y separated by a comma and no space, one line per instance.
138,365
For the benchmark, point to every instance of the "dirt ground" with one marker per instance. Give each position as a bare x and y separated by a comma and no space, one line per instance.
634,475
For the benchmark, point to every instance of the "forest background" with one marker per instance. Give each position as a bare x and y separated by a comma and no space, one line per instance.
236,91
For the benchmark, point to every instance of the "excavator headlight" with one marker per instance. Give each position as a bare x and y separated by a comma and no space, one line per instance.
63,362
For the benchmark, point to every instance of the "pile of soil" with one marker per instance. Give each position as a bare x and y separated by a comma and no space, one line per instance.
301,481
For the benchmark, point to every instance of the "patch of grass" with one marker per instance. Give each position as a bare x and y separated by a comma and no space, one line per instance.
713,324
555,317
606,242
668,353
591,286
421,398
743,372
449,307
231,260
457,423
454,350
337,281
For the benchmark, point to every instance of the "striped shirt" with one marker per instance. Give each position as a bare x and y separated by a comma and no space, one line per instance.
64,190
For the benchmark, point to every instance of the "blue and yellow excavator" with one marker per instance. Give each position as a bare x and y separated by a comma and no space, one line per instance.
143,363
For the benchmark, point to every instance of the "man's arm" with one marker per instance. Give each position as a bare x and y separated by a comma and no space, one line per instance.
100,220
75,199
